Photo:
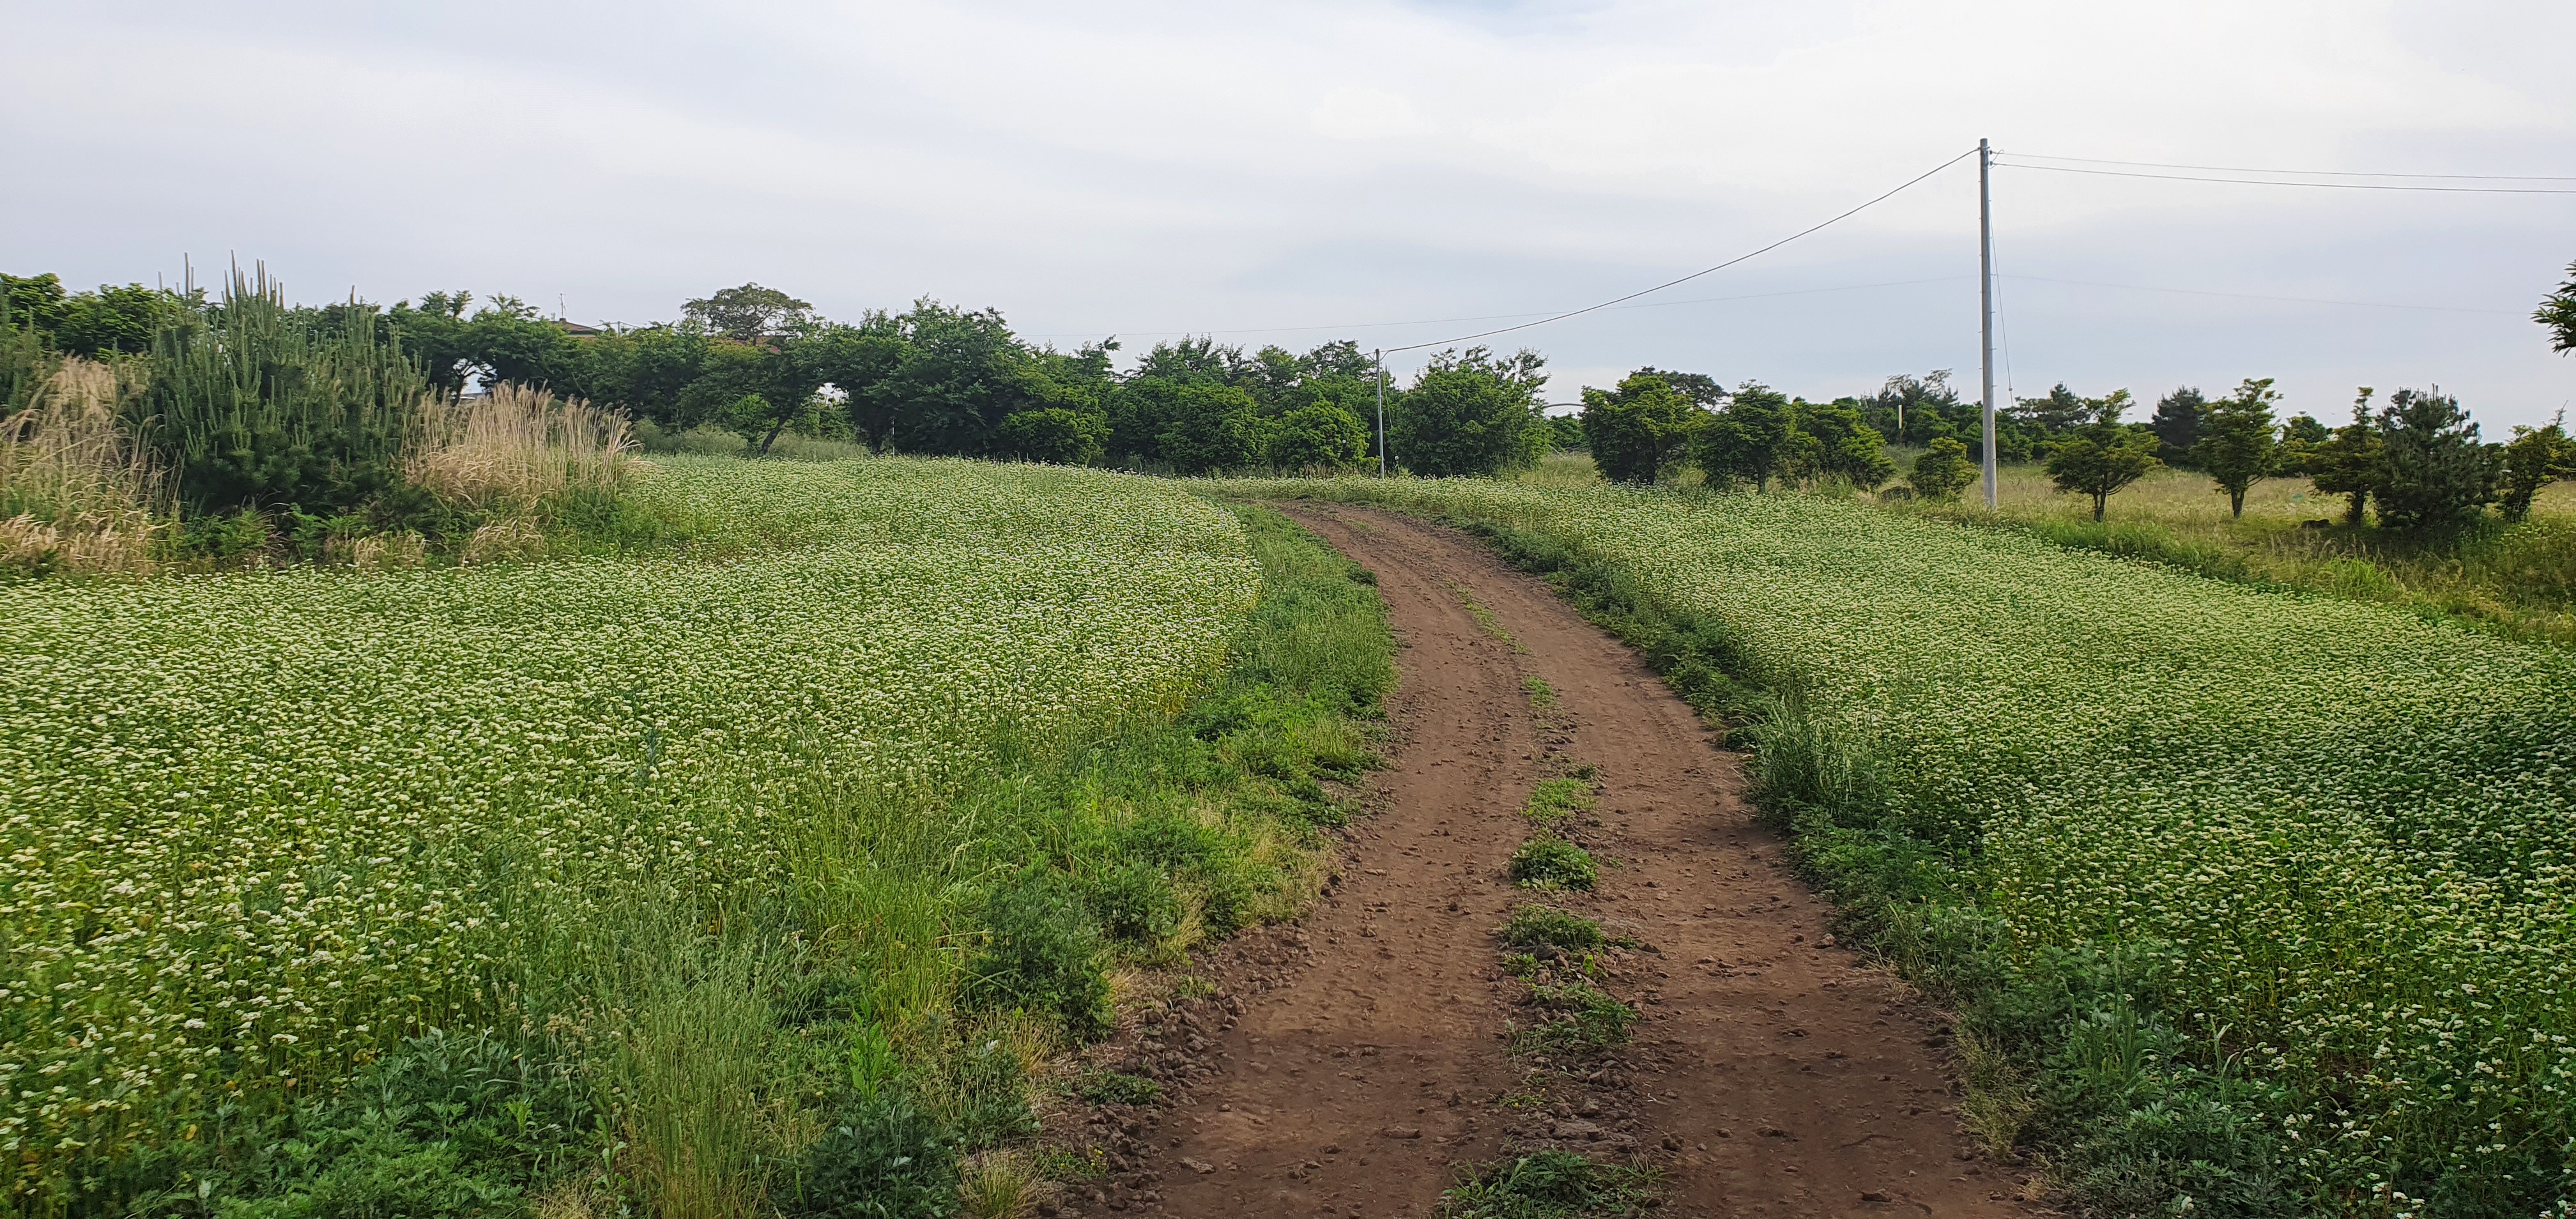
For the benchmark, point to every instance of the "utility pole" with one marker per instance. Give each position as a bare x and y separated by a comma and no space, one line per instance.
1986,300
1380,356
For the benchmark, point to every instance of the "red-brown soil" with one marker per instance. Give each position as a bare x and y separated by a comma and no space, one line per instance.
1358,1058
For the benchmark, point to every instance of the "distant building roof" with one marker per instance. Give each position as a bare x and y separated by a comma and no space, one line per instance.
579,331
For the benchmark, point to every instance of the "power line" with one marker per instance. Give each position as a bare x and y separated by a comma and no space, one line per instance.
1696,274
2249,296
2312,173
1696,300
2472,190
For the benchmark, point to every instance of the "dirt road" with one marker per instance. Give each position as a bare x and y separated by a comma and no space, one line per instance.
1770,1073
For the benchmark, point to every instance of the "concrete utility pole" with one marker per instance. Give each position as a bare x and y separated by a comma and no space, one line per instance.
1380,356
1986,300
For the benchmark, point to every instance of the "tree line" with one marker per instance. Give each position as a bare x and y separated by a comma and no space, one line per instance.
940,380
932,380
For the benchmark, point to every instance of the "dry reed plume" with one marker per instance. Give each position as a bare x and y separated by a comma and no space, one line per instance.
517,446
75,492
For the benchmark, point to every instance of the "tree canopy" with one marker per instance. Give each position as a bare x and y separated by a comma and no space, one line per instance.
2558,312
1471,413
1641,430
2237,444
2100,458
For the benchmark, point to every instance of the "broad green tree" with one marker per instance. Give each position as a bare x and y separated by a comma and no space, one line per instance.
1212,429
2239,444
1844,447
1055,435
855,360
1641,430
2558,313
1321,436
505,340
110,321
750,313
1470,413
2432,469
1749,439
2099,459
2536,457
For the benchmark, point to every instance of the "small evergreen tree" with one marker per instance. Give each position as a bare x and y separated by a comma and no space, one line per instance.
2101,458
2347,463
2432,470
2237,445
2177,422
1942,470
2301,436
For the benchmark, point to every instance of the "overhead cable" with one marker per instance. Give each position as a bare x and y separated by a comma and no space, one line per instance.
2471,190
1696,300
2249,296
1695,274
2310,173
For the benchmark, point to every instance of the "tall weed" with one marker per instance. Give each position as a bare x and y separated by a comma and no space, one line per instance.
514,447
75,492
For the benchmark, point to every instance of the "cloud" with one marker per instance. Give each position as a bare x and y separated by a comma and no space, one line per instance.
1140,167
1355,112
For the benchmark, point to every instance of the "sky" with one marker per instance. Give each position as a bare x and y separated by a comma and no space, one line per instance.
1376,171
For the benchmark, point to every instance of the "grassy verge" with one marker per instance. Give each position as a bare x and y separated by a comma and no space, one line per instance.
868,1035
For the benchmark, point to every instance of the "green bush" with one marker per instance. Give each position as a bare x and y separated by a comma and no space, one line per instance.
1133,904
1550,862
1041,953
1577,1015
881,1158
1533,925
1546,1185
1117,1088
1557,799
445,1126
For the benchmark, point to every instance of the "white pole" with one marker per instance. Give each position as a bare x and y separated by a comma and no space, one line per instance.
1380,356
1986,302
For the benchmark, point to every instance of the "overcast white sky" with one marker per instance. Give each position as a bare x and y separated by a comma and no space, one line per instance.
1293,173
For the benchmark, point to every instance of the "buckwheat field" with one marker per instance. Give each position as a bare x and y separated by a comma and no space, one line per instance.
261,827
2294,872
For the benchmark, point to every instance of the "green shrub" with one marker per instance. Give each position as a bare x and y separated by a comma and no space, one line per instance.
1133,904
881,1158
444,1126
1557,799
1117,1088
1533,925
1546,1185
1550,862
1576,1015
1041,953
